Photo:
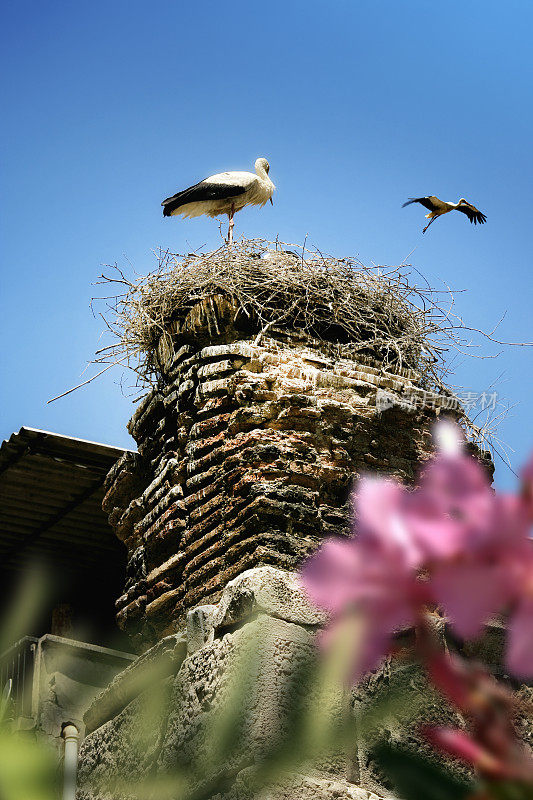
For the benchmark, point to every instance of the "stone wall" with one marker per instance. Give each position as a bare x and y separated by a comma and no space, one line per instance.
155,720
246,455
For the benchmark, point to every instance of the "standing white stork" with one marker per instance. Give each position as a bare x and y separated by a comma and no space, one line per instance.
224,193
439,207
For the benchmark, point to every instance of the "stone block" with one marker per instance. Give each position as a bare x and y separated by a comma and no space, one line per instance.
253,664
200,628
265,590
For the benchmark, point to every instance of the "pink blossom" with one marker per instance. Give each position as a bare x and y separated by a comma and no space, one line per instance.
372,574
526,476
477,580
470,593
491,743
520,639
470,544
348,576
459,744
477,546
449,438
331,576
380,507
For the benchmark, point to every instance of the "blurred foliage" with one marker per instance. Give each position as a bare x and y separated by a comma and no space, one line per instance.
415,777
318,724
28,765
28,598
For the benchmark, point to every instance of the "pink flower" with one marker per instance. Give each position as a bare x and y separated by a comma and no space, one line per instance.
470,593
459,744
470,545
372,575
331,576
491,743
520,633
351,577
477,580
451,509
380,507
478,551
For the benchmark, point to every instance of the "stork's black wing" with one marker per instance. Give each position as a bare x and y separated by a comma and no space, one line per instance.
473,214
431,202
200,191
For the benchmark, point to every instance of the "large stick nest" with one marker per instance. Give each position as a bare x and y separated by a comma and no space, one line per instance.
362,312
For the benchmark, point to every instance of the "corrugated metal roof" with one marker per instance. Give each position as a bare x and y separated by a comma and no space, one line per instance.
51,490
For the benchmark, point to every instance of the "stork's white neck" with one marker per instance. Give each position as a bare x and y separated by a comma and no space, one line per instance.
261,172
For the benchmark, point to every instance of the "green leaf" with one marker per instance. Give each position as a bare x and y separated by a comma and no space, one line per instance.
28,768
508,790
24,608
415,777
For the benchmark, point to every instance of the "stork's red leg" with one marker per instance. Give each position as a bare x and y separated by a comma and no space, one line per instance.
429,223
231,224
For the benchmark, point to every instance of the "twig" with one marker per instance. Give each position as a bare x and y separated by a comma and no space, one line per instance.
114,364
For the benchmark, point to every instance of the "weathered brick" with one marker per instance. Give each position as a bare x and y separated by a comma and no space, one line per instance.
247,455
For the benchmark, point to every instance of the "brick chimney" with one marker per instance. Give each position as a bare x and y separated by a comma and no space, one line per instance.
247,452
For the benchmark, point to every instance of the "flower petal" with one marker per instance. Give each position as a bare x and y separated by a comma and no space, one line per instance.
332,576
520,640
470,593
460,744
449,438
380,510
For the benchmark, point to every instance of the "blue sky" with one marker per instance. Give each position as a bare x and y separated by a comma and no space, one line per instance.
111,106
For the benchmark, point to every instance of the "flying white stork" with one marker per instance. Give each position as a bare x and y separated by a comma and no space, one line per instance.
224,193
439,207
